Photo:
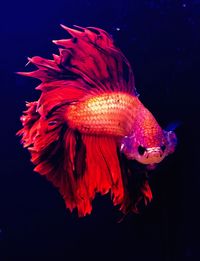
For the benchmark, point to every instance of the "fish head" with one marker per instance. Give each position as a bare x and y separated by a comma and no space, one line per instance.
148,144
135,149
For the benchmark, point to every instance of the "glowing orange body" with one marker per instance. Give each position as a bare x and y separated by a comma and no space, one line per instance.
108,113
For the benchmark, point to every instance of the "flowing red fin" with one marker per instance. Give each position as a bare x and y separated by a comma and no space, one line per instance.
103,172
57,97
30,124
137,190
80,165
89,55
52,149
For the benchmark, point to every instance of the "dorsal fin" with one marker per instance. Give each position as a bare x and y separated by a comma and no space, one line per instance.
89,55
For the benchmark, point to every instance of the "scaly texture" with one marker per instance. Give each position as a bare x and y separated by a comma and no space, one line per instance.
111,113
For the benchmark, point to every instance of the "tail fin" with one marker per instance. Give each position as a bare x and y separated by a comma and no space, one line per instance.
80,165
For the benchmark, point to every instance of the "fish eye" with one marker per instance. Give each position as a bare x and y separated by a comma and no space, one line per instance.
141,150
163,147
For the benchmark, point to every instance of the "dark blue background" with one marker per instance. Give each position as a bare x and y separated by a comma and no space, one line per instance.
161,39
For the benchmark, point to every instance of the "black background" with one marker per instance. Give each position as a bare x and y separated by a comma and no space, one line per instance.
161,39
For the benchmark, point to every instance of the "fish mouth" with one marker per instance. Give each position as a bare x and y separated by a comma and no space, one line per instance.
151,156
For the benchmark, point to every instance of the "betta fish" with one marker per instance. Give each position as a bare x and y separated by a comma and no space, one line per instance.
89,126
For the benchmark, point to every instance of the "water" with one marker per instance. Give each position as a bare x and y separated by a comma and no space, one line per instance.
161,40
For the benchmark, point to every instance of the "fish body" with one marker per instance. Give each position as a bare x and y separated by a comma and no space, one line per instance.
89,125
123,116
111,113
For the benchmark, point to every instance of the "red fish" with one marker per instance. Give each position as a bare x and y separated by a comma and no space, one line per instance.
89,126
